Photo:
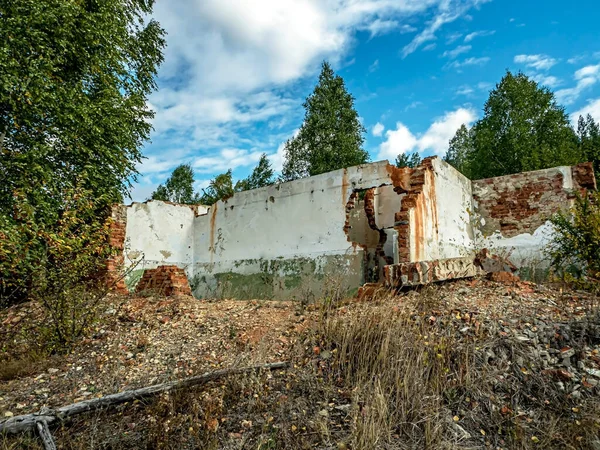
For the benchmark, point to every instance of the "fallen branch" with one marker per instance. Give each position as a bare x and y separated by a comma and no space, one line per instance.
29,422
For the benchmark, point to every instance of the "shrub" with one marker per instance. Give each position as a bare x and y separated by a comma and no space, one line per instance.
575,246
61,264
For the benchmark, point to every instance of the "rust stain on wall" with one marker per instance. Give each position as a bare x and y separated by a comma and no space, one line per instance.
345,186
213,219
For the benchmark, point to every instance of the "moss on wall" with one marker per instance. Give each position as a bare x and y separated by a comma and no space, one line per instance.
281,279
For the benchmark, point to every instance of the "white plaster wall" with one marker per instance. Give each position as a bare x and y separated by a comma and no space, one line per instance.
454,199
523,250
161,233
302,218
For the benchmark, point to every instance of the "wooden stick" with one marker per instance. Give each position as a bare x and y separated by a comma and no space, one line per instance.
29,422
45,435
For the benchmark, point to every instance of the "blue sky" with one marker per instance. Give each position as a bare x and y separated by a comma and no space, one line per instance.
237,71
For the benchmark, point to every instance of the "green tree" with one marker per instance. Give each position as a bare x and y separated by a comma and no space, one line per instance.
588,134
220,188
179,187
331,136
408,160
74,81
523,128
460,147
261,176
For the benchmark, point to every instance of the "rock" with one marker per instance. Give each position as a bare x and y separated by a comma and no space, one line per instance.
567,352
503,277
52,371
593,372
344,408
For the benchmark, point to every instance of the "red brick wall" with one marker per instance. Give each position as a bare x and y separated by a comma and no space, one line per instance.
164,280
114,265
521,203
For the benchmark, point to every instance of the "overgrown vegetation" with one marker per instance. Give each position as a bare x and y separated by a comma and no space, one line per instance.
74,84
575,245
61,265
393,373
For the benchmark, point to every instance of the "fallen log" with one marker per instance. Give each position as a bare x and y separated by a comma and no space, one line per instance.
45,435
29,422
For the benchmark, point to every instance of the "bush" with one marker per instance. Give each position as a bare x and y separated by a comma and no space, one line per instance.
61,264
575,246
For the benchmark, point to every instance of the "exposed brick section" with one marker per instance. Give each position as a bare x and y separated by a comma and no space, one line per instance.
583,176
410,182
425,272
165,280
114,265
521,203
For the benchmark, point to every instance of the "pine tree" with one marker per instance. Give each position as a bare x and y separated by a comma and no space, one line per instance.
460,147
261,176
220,188
331,136
408,160
588,134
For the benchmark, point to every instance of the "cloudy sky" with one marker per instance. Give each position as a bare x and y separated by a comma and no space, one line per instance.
237,71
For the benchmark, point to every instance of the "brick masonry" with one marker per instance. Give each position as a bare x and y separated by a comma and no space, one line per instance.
164,280
114,265
521,203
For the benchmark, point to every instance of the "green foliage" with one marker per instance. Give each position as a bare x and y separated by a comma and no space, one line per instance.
331,136
588,134
522,129
59,264
222,187
179,187
576,239
406,160
74,82
261,176
460,147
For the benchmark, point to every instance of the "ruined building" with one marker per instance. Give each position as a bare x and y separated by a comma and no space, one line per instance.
369,223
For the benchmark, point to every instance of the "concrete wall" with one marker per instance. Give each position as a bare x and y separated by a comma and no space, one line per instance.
336,231
454,204
159,233
287,239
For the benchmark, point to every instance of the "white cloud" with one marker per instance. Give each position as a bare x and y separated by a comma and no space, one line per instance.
457,51
465,90
585,77
435,139
448,11
592,108
378,129
547,80
232,64
453,37
429,47
469,62
383,26
538,62
373,67
469,37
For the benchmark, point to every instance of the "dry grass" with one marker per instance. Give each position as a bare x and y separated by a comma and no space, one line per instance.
381,375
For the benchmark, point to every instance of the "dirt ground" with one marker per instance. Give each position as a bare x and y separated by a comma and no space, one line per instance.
553,332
